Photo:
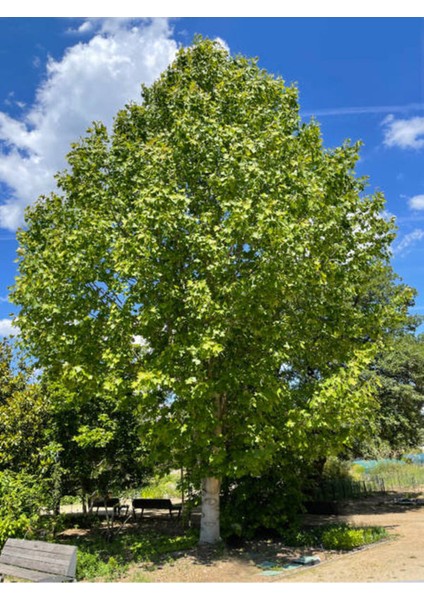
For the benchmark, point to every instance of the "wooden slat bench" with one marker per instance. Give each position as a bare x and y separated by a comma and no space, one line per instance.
119,509
105,503
38,561
154,503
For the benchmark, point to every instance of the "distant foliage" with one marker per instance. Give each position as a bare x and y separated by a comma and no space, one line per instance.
166,486
399,422
398,475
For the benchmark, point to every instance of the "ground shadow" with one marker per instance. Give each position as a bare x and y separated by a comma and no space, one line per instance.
381,503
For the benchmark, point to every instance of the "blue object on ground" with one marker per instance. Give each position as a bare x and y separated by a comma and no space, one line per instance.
267,565
273,572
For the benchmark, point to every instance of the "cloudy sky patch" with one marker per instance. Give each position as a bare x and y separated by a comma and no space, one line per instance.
6,328
91,82
404,133
416,202
403,246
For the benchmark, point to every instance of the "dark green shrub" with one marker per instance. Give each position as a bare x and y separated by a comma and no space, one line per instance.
256,504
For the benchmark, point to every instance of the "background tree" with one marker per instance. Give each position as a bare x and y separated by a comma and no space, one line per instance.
27,453
212,224
399,423
24,414
100,449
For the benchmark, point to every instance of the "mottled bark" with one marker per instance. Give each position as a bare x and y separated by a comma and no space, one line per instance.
209,524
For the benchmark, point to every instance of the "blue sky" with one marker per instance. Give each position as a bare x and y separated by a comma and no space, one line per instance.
363,78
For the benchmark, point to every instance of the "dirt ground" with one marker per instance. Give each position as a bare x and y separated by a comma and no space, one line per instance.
400,559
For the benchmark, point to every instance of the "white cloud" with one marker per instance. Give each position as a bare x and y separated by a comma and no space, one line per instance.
91,82
404,133
416,202
6,328
407,240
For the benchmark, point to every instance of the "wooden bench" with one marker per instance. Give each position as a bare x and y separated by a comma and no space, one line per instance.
38,561
154,503
105,503
114,503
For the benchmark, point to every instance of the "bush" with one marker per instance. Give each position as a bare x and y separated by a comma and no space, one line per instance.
335,468
91,566
21,498
253,505
334,537
343,537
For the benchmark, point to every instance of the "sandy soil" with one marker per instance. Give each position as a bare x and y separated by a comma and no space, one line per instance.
400,559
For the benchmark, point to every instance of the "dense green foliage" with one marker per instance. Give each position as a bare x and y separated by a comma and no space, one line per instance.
269,502
27,450
21,497
400,418
210,259
69,445
100,450
24,414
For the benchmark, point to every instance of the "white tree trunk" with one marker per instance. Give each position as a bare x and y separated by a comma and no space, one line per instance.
209,523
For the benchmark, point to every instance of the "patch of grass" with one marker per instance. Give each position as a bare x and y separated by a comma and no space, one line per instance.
158,544
108,560
91,566
138,577
335,537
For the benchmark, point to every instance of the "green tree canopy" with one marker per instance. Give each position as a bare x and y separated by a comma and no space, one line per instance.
212,226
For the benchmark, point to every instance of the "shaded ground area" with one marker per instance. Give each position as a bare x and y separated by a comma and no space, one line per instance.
399,559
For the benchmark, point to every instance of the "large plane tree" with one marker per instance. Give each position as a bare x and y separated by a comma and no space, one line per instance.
210,256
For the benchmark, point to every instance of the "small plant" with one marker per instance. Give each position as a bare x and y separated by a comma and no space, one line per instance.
335,537
91,566
343,537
